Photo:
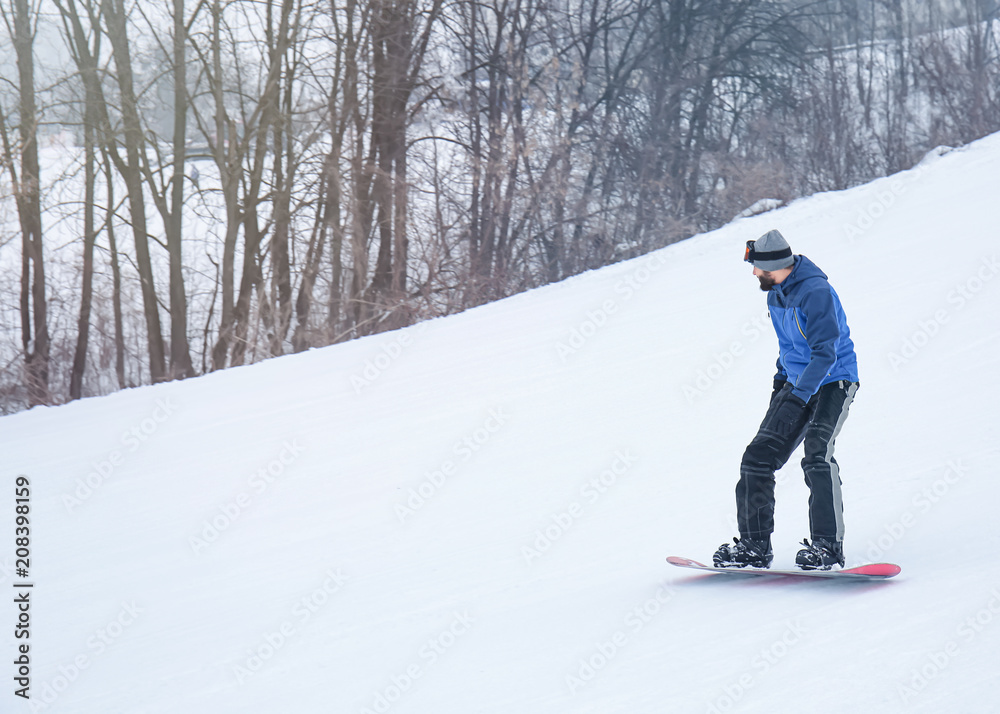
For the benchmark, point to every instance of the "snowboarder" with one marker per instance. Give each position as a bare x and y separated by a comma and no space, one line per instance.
815,384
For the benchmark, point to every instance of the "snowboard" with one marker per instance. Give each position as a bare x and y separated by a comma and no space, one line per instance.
869,571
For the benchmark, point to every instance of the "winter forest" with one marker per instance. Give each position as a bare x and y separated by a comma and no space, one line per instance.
190,185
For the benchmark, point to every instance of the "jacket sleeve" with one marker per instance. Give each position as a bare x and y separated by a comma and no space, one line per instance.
780,374
820,312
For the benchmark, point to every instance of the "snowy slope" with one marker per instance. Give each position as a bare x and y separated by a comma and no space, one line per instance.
472,515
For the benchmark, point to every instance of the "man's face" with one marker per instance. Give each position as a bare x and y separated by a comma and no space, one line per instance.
766,278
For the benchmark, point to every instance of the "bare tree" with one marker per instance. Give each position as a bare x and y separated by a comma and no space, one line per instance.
379,161
180,352
400,33
20,19
131,169
91,102
228,150
342,79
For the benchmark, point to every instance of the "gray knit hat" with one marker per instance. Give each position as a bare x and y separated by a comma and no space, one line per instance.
769,252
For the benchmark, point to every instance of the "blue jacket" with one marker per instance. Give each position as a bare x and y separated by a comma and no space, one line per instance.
814,342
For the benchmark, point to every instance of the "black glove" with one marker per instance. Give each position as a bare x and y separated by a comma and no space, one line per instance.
788,413
778,384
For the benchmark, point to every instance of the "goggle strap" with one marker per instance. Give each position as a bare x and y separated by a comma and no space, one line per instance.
772,255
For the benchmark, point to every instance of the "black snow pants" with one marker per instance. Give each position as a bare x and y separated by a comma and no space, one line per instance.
787,424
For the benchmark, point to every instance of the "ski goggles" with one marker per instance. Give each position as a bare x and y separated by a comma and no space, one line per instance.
752,255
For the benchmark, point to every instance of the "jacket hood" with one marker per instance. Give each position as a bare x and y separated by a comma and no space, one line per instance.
803,270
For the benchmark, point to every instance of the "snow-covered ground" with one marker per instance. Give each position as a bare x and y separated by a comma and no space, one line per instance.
473,514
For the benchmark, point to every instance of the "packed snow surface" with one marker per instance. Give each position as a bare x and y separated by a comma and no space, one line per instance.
473,514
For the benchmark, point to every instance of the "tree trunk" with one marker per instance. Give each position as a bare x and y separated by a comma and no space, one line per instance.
258,128
96,112
180,352
33,300
284,176
116,278
131,171
228,156
89,238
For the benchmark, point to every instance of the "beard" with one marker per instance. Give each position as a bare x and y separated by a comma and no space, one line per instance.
766,282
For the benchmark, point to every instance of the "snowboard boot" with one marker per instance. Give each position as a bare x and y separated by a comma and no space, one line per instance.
744,553
821,554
